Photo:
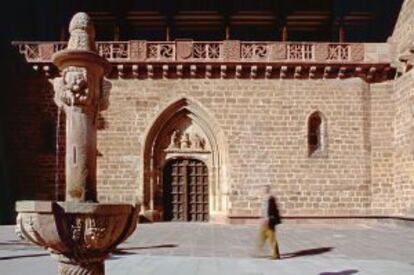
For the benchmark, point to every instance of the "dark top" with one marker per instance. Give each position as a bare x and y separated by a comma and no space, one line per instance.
273,213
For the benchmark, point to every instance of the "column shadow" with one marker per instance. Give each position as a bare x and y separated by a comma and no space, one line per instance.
307,252
344,272
24,256
126,250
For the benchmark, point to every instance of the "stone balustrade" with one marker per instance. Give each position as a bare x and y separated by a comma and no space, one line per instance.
201,51
228,58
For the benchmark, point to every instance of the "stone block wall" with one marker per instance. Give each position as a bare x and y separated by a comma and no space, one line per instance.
384,197
403,34
265,126
404,143
403,121
368,168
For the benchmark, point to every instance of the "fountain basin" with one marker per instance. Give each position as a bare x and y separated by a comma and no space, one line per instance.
78,234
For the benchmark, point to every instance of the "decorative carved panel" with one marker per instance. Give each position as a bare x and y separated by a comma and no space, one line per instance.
321,52
184,49
138,50
231,50
46,50
357,52
254,51
339,52
278,51
300,51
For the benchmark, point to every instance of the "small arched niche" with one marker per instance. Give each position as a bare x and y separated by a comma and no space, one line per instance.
183,130
317,136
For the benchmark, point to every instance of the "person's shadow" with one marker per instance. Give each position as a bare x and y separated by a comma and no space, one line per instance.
307,252
344,272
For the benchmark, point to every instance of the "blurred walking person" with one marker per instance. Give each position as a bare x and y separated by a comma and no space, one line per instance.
271,218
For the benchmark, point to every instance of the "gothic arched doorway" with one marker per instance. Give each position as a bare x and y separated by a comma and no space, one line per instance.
183,130
185,194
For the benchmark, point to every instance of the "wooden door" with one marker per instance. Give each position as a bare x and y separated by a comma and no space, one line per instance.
185,190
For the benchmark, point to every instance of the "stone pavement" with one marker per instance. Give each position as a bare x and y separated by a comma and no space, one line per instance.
196,248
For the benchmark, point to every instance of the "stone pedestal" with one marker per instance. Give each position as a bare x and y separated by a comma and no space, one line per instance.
94,268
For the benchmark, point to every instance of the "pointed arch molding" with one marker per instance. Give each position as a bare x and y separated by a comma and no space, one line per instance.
154,158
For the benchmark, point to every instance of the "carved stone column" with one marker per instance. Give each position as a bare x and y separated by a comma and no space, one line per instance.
81,92
79,232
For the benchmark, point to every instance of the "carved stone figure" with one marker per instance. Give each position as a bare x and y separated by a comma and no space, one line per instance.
72,88
174,142
185,141
197,142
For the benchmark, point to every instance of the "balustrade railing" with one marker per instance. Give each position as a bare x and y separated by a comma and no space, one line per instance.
29,50
197,51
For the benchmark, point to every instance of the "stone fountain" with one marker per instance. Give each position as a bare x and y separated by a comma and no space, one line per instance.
79,232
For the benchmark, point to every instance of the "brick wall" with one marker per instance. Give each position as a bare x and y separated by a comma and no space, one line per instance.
30,138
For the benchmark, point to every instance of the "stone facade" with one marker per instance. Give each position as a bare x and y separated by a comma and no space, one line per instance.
254,131
403,99
263,127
